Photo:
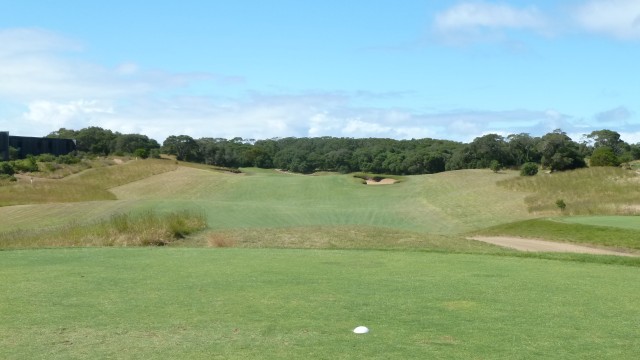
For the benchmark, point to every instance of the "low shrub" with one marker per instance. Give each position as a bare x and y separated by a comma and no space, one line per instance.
495,166
6,168
7,177
46,158
26,165
68,159
141,153
529,169
154,153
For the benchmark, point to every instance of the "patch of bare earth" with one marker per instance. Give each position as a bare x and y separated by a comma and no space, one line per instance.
535,245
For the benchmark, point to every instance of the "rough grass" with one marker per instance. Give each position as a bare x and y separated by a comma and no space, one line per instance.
337,237
89,185
143,229
292,304
597,190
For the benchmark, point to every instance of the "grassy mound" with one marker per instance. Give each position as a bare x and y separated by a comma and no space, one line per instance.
90,185
597,190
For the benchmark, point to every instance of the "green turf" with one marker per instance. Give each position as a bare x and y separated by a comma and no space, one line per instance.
624,222
440,204
292,304
447,203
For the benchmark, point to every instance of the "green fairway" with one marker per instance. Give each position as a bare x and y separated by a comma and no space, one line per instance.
287,304
447,203
433,204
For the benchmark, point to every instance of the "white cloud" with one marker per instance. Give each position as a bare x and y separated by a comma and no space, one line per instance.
630,137
616,115
480,21
21,41
38,65
57,115
617,18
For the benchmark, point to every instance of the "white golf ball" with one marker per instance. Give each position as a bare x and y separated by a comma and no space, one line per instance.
361,330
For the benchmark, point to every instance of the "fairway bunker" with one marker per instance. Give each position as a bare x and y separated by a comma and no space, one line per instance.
385,181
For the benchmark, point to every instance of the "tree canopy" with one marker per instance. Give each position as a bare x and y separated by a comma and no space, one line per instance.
555,151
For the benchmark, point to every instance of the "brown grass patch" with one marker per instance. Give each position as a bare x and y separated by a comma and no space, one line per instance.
220,240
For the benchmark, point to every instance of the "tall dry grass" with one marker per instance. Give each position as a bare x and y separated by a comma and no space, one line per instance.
92,184
597,190
144,229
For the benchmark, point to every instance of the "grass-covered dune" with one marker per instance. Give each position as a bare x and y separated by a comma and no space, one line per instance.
289,304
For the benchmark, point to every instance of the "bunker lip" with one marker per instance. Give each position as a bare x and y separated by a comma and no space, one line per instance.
536,245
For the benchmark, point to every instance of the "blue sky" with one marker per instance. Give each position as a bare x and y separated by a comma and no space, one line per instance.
377,68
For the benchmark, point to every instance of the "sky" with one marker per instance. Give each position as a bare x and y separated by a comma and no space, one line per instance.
257,69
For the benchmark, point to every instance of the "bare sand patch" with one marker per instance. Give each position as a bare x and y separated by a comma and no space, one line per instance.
385,181
536,245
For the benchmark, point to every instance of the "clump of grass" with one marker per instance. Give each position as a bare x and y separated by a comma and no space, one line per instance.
146,229
220,240
598,190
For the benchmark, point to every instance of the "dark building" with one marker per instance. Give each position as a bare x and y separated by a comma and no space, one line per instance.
34,146
4,146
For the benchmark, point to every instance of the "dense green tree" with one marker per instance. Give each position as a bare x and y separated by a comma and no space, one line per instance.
63,133
184,147
523,148
608,138
129,143
634,151
559,152
604,156
488,148
95,140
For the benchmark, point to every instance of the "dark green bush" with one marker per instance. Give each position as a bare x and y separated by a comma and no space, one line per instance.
6,169
45,158
7,177
529,169
154,153
495,166
141,153
26,165
67,159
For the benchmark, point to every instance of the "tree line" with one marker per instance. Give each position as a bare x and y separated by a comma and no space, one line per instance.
555,151
103,142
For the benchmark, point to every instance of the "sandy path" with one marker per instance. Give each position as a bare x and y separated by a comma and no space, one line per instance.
545,246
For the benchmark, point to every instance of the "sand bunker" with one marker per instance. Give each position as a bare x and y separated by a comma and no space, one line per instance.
382,182
545,246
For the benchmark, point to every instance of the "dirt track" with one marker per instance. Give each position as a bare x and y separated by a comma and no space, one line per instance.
545,246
